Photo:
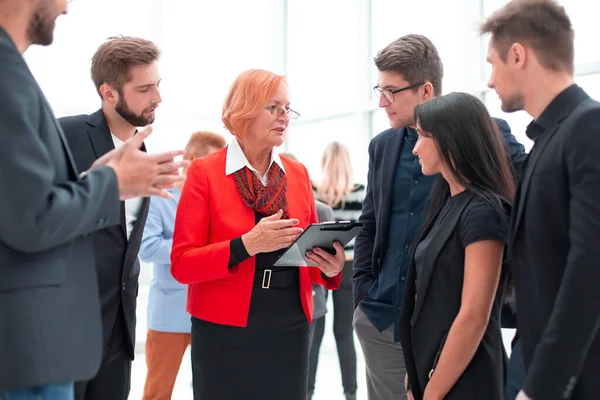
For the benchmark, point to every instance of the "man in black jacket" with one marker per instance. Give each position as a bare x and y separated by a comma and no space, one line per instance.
125,73
553,248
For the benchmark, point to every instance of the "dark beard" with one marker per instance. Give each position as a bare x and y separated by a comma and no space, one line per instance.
41,26
128,115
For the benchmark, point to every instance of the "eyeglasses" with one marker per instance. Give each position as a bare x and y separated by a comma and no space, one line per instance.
389,94
277,111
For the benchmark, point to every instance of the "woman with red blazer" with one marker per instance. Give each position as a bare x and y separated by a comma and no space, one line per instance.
240,208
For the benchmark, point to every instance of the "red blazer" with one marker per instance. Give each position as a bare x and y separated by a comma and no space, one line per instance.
210,214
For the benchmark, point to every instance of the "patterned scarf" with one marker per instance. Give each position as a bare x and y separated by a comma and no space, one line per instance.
266,200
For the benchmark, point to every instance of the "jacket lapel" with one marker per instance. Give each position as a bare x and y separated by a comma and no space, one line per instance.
533,158
437,243
391,157
523,188
99,134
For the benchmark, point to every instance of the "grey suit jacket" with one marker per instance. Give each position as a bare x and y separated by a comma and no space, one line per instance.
49,313
116,257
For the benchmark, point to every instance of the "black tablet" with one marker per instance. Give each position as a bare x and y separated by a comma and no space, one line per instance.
318,235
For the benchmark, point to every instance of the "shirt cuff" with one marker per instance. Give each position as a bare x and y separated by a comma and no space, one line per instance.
237,251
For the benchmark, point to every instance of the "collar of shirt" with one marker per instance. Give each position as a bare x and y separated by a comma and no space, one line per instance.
553,112
411,134
236,160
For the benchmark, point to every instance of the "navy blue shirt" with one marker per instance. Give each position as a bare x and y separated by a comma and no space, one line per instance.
409,200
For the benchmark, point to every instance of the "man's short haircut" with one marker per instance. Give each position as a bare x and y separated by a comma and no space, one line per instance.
112,62
201,142
542,25
415,58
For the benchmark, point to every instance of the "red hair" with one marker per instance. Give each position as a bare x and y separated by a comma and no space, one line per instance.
247,96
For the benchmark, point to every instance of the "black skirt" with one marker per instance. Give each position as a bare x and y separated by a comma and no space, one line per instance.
267,360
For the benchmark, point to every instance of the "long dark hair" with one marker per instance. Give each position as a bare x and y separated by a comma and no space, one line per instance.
470,146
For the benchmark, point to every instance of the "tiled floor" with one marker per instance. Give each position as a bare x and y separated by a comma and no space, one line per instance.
329,386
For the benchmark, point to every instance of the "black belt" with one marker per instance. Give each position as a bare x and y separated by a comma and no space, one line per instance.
276,278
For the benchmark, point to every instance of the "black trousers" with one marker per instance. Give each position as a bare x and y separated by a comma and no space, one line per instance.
113,380
343,313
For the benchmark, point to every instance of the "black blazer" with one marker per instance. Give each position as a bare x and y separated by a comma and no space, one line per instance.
554,250
116,257
371,243
49,312
428,313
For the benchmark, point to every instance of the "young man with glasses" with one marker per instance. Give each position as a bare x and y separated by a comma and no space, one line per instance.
410,73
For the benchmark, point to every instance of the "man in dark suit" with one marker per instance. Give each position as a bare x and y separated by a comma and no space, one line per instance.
49,307
555,227
410,73
125,72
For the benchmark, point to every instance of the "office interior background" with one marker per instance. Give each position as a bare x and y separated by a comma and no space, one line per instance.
325,47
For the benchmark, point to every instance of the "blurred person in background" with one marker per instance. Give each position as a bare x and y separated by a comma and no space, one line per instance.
169,326
337,189
325,213
240,209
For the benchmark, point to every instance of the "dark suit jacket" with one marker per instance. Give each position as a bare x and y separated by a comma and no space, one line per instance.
554,250
371,243
116,257
429,312
49,311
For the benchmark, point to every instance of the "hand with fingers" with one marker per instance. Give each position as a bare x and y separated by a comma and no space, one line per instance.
270,234
330,264
141,174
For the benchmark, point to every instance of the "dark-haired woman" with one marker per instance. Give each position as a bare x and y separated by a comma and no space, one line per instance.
450,320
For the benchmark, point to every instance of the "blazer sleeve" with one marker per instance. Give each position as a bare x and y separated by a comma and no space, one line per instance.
155,247
41,211
516,150
315,273
363,278
575,318
193,258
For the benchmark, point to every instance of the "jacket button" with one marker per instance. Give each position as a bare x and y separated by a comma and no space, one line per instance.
123,285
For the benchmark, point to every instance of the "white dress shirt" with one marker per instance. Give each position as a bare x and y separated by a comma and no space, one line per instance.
236,160
132,206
